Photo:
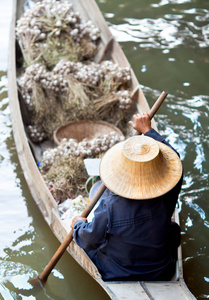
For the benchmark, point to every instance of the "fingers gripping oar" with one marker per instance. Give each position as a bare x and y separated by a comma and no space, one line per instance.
156,106
44,275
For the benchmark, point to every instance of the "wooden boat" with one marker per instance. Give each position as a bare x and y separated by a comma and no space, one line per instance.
174,289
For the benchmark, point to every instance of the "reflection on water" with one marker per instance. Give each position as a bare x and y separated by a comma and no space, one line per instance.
167,44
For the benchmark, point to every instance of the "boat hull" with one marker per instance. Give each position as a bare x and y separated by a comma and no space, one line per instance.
41,194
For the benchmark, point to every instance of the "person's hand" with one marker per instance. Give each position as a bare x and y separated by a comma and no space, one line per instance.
77,218
142,123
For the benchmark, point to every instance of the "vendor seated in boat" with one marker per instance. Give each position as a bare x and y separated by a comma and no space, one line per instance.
131,236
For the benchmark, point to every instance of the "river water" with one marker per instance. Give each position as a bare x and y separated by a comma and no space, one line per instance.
167,44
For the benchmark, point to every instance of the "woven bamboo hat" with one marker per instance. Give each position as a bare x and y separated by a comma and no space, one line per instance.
140,168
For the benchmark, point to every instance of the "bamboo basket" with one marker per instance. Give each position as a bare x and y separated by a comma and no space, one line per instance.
85,129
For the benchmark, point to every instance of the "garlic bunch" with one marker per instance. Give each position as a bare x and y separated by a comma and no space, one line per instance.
93,147
85,148
48,158
27,99
41,90
50,17
117,72
125,100
91,74
35,134
48,80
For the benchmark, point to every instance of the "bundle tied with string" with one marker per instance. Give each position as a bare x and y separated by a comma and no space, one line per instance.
140,168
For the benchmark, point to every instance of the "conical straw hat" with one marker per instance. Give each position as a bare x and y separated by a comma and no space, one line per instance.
140,168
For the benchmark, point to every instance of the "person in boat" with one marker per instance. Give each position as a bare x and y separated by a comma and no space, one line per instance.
132,235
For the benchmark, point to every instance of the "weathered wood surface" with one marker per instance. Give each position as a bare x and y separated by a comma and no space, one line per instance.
153,290
109,48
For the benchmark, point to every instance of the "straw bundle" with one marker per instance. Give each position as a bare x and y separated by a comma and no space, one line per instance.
66,178
51,26
74,91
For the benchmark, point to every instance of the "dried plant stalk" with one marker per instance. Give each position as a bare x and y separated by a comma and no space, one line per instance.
66,178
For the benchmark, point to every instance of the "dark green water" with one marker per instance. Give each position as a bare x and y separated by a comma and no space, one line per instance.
166,43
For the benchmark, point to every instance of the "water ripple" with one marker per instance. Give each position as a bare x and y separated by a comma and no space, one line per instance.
148,32
166,33
189,199
166,2
198,101
3,83
200,158
202,15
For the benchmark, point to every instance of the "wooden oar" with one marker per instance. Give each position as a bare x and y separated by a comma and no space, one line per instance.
157,104
44,275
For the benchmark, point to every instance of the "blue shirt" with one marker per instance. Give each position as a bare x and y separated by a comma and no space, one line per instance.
129,239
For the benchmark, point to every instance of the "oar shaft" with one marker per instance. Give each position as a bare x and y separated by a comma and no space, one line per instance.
93,201
44,275
157,105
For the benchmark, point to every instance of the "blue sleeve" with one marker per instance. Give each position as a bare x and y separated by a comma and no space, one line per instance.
90,236
156,136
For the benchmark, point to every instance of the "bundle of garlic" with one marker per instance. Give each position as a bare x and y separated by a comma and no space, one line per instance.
125,101
51,21
47,79
118,73
83,149
77,90
98,145
57,79
93,74
36,134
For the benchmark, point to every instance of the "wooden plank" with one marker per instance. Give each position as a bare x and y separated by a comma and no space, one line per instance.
167,291
180,261
128,290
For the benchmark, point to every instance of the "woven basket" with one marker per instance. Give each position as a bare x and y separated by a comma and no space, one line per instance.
80,130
